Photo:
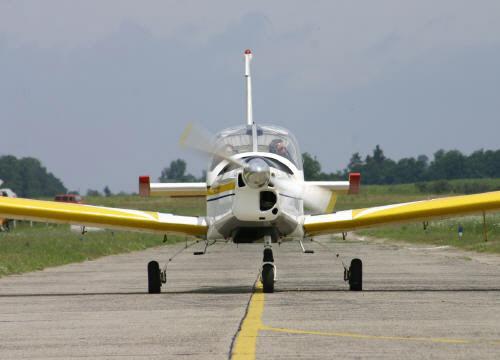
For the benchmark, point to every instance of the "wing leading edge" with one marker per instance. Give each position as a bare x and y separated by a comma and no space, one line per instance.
111,218
349,220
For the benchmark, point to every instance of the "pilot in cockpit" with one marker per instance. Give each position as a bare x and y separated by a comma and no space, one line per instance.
278,147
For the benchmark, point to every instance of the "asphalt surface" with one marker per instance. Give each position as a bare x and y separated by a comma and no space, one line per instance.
418,302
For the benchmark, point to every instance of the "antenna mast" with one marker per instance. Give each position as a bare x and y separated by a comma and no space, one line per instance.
248,58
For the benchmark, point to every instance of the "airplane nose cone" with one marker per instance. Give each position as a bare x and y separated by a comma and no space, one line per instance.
257,173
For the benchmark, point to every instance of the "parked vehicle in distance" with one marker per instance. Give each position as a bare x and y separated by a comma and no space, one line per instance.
69,198
6,224
8,193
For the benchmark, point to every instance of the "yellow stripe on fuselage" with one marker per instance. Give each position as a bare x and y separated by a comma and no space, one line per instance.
221,188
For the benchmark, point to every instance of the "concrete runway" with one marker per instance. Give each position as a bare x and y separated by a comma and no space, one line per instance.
418,302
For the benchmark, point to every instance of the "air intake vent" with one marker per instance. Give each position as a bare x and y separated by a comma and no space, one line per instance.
267,200
241,183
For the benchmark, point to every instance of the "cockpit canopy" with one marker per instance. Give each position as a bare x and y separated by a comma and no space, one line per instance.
269,139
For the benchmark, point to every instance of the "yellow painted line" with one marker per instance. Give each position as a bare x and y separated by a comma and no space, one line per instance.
363,336
246,340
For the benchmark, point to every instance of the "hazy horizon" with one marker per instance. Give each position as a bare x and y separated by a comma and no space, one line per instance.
101,91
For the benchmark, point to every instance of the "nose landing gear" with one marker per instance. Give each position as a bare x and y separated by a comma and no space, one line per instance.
268,272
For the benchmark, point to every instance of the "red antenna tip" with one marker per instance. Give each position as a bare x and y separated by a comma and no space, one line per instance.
248,51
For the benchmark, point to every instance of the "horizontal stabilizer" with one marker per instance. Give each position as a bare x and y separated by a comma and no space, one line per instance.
147,188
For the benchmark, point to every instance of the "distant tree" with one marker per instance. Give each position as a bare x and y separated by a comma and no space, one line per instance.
478,164
355,163
312,167
409,170
378,169
448,165
107,191
423,159
28,178
203,176
91,192
176,171
378,155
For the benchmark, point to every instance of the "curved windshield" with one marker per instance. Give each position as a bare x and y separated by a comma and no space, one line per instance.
256,138
232,141
279,141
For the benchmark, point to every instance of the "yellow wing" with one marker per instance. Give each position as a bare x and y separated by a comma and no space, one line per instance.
419,210
111,218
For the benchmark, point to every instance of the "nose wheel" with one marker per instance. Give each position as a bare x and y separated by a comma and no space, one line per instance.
267,278
268,272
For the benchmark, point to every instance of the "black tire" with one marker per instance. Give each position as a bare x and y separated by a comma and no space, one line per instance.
356,275
267,278
154,280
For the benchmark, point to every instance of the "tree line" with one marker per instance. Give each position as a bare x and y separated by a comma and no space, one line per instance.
376,168
28,178
176,172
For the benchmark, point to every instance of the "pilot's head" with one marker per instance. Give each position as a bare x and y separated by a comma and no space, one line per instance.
278,147
229,150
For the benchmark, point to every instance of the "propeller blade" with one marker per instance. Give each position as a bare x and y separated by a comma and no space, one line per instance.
315,197
197,138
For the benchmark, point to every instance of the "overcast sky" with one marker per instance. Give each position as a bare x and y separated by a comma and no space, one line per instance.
100,91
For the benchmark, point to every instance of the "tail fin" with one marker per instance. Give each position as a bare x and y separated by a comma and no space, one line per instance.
248,58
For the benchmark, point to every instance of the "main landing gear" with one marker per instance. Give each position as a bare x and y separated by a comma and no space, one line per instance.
354,275
157,276
154,277
268,273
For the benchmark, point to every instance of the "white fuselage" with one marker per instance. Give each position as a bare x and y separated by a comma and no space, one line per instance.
243,213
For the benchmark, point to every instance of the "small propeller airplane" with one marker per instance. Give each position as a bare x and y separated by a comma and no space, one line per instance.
255,190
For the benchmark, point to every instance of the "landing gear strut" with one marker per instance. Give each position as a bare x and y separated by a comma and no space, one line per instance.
268,274
354,275
154,277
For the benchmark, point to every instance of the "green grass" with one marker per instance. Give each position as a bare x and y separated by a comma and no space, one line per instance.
28,249
445,232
